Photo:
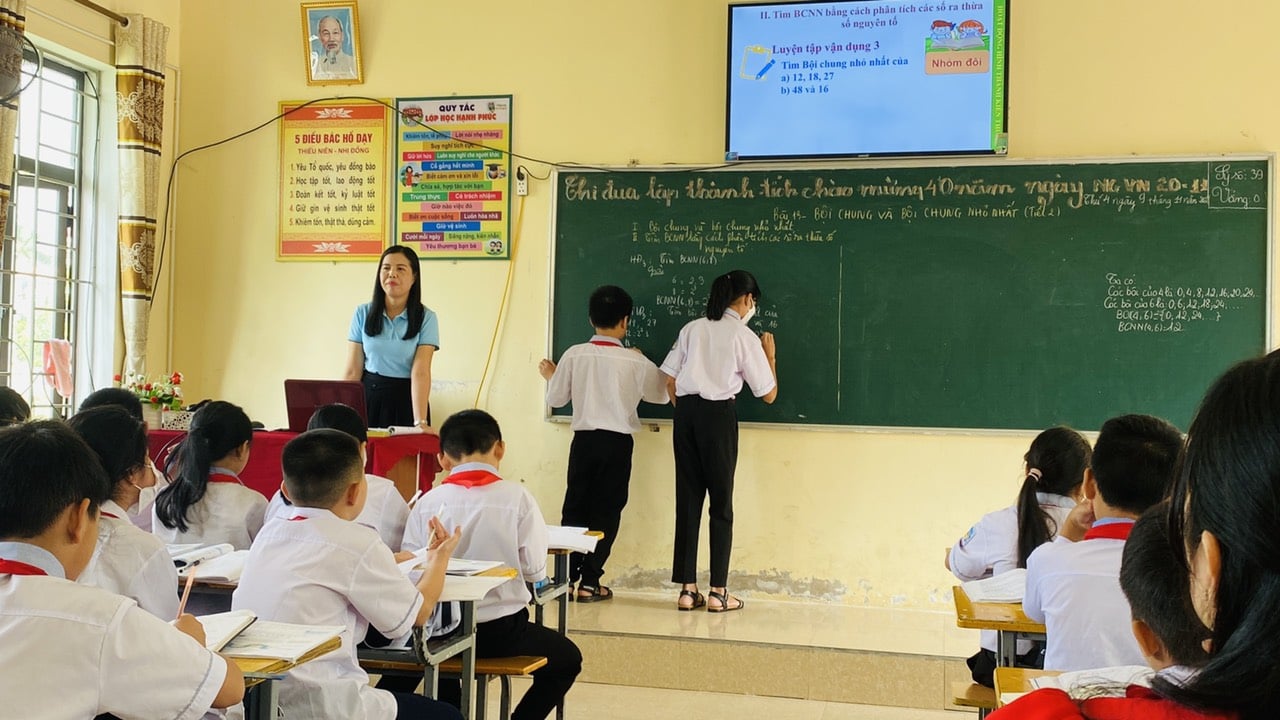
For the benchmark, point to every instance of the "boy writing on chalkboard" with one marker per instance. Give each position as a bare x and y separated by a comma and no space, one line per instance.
605,381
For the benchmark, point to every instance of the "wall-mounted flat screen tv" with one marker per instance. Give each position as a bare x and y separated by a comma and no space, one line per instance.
866,78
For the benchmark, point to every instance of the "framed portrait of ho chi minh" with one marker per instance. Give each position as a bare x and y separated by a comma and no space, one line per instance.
331,43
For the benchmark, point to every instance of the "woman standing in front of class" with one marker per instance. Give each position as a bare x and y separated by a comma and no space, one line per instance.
705,371
393,338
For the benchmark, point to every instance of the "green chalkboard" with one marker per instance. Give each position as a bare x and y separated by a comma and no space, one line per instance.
1010,295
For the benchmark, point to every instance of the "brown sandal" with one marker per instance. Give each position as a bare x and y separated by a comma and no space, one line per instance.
724,602
698,600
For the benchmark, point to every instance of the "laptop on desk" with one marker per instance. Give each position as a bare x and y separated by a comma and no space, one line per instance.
302,397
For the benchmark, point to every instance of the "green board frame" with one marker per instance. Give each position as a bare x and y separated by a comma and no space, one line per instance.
1005,295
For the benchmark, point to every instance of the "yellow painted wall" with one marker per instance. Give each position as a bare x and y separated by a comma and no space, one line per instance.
865,514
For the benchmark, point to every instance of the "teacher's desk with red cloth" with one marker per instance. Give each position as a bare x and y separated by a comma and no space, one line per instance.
393,456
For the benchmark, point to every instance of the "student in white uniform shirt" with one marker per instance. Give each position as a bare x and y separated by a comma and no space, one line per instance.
605,381
500,521
1002,540
317,567
207,503
706,368
1171,636
127,561
1073,582
140,511
71,651
384,507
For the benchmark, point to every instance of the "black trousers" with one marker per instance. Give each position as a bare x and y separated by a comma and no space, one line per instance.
389,400
411,706
705,441
596,492
515,635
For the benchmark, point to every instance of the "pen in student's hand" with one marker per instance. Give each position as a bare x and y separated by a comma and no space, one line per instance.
186,591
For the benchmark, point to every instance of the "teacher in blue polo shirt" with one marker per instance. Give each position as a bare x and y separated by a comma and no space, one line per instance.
393,338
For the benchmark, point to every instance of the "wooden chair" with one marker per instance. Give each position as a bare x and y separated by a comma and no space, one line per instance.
973,695
503,668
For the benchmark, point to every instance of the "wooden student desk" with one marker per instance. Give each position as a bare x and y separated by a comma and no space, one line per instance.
1017,680
409,460
429,653
261,701
1007,619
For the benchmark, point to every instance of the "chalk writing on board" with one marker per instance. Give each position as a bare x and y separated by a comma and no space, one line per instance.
1150,308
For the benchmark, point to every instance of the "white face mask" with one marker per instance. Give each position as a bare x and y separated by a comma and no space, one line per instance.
750,314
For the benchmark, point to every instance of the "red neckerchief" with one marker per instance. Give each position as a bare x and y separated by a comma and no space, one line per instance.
1110,531
472,478
13,567
104,513
296,518
221,478
605,344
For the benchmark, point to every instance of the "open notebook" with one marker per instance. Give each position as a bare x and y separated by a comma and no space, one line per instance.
223,568
570,538
219,628
282,641
1007,587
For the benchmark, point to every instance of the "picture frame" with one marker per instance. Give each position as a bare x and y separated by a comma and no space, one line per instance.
331,43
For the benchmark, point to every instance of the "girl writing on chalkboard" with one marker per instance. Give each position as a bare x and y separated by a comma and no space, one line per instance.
705,371
1002,540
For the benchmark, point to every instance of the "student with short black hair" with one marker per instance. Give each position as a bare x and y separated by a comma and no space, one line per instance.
705,369
1001,541
1155,582
1072,584
81,649
604,381
13,407
385,509
317,567
113,396
207,503
127,560
500,521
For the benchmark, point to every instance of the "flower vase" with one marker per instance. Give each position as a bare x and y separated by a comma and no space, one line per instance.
151,415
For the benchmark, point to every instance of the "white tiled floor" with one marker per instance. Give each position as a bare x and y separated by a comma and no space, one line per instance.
906,631
614,702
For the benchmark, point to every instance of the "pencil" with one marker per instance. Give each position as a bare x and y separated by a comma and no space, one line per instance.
186,591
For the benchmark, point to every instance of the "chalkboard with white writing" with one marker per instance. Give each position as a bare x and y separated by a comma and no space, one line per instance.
1010,295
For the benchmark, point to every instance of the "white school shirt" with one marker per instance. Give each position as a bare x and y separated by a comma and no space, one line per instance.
323,570
991,548
228,513
713,358
500,521
385,510
606,382
71,651
1074,589
132,563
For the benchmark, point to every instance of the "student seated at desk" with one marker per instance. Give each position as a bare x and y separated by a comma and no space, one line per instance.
1165,625
207,503
70,651
317,567
127,561
140,513
384,508
1073,582
501,521
1001,541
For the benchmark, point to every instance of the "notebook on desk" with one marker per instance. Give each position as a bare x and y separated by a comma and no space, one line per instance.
302,397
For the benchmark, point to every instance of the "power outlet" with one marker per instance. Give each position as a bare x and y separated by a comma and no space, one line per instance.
522,182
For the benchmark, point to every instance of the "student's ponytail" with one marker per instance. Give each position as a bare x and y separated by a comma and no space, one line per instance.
1055,464
217,429
727,288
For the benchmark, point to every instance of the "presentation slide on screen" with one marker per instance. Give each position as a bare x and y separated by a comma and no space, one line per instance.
868,77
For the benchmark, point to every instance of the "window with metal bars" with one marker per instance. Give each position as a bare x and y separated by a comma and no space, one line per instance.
44,266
